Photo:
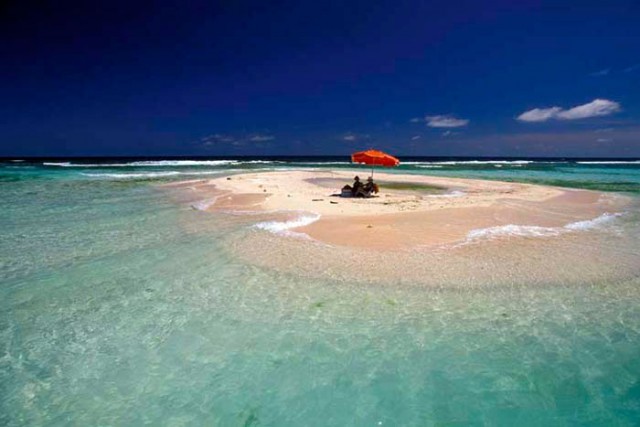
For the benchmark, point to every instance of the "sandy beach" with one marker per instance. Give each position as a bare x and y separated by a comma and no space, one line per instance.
410,211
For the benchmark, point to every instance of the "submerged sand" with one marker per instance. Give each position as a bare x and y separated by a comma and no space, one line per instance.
420,229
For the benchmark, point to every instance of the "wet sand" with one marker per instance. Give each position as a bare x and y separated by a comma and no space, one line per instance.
432,231
425,211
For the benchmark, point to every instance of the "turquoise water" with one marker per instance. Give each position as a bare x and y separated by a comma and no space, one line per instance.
121,306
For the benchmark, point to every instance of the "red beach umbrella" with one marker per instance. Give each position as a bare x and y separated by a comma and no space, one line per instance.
374,158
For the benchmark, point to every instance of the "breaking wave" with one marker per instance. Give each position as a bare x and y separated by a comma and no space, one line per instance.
471,162
158,163
611,162
149,175
512,230
203,205
486,162
593,223
284,227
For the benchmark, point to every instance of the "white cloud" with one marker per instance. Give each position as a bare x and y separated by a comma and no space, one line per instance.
445,121
595,108
415,137
416,120
632,68
350,136
539,114
604,140
261,138
447,133
218,138
601,73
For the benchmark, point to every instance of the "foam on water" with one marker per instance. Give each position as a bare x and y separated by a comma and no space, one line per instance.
161,163
162,174
484,162
454,193
610,162
260,162
284,227
593,223
185,163
329,163
203,205
513,230
157,163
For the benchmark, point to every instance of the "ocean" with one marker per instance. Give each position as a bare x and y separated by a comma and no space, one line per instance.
122,304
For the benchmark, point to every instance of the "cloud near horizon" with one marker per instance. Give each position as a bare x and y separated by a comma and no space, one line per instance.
445,121
220,139
600,73
216,138
632,68
595,108
350,136
441,121
261,138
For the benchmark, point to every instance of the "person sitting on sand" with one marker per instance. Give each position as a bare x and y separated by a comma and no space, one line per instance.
366,190
370,186
356,188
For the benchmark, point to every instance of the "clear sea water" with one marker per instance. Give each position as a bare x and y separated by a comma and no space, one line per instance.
121,306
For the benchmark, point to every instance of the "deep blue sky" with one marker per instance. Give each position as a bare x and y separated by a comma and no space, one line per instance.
329,77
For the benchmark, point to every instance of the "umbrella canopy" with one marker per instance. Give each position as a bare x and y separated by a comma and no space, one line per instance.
375,158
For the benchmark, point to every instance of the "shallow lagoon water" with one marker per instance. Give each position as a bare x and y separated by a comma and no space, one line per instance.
121,307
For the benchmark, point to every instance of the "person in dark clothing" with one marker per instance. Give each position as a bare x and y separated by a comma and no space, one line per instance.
356,188
357,185
368,189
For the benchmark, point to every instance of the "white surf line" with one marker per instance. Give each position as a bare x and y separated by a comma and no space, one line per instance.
203,205
159,174
284,228
593,223
610,162
454,193
131,175
471,162
513,230
158,163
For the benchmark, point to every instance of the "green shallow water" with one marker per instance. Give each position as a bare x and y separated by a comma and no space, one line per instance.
121,307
